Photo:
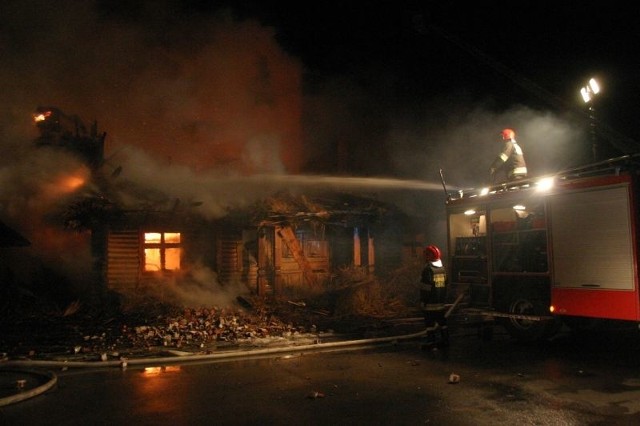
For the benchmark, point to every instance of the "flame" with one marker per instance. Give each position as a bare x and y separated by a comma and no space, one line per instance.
71,183
66,183
41,116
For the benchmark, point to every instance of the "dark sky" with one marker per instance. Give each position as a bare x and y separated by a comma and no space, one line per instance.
417,64
555,45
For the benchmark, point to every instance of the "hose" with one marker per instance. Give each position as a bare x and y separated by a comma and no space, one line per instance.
226,355
124,362
52,379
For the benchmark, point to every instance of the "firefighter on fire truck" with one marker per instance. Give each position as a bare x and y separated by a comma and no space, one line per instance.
433,282
510,159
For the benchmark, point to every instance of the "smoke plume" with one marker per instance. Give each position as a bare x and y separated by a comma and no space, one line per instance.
180,96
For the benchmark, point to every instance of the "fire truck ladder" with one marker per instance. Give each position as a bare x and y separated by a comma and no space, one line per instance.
289,238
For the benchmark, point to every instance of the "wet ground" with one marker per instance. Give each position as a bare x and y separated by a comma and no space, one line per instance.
574,379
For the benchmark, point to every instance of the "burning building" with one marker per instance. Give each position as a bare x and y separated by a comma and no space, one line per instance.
282,244
270,252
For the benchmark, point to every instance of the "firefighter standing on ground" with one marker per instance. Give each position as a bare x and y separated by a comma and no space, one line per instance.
511,159
433,287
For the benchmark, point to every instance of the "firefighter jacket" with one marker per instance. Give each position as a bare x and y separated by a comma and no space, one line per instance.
433,283
512,159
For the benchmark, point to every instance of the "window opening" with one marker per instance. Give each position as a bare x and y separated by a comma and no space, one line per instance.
162,251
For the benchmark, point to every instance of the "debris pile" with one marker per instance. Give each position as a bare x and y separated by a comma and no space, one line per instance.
354,304
211,327
170,328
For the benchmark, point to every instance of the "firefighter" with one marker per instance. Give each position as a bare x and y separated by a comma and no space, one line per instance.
511,159
433,287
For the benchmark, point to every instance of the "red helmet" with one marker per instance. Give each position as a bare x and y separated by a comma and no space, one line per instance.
432,253
508,134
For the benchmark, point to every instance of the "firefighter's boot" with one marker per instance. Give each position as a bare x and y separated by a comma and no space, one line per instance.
429,340
444,336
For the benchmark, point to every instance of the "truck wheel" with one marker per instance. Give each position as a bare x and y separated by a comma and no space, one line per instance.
525,329
485,332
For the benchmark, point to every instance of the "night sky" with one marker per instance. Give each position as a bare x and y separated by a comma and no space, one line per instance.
429,74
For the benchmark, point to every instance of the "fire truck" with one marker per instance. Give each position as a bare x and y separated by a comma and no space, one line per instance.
540,253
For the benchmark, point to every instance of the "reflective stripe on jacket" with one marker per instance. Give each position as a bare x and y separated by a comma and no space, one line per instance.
511,157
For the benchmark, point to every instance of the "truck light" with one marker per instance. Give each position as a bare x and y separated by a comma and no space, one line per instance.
545,184
552,309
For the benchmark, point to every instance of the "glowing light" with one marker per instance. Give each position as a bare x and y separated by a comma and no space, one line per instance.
470,212
71,183
65,183
519,207
587,92
162,251
552,309
152,237
41,116
156,371
151,371
152,259
545,184
171,237
484,191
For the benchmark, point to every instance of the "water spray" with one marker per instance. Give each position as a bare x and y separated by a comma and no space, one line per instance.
337,181
444,186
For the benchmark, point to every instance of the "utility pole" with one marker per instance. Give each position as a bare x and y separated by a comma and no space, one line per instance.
588,93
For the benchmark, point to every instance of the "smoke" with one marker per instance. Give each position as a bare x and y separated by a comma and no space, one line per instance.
146,182
30,192
195,104
463,142
208,91
199,287
361,128
183,97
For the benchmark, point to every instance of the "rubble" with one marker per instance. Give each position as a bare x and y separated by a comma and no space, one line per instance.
150,327
169,330
187,330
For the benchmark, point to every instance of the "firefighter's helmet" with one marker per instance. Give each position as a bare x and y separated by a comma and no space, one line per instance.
508,134
432,253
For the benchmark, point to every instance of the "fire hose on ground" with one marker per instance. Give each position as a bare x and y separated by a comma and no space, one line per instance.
50,380
24,366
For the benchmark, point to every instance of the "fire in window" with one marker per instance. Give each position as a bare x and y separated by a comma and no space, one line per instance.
162,251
